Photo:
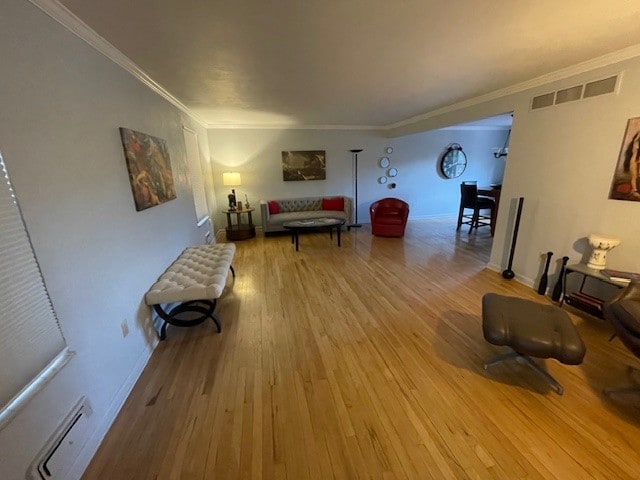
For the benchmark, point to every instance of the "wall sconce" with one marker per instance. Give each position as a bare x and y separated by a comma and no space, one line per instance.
504,151
231,179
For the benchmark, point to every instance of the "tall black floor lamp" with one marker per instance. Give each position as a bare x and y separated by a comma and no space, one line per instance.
354,155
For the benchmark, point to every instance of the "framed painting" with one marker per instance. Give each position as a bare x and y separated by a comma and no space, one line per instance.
626,177
304,165
149,168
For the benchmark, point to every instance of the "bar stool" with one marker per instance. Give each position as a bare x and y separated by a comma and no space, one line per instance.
469,199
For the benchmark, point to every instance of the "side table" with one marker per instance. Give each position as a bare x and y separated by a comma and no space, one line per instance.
239,230
580,300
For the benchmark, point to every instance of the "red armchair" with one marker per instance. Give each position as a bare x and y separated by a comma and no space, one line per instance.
389,217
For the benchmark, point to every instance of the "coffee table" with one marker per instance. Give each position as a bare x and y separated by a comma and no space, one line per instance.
296,226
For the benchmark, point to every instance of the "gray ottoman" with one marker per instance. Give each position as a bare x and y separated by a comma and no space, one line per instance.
531,330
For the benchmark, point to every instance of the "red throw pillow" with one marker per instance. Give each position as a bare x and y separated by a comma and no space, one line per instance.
274,207
336,203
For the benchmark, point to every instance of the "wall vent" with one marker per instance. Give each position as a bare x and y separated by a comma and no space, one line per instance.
542,101
578,92
600,87
63,447
569,94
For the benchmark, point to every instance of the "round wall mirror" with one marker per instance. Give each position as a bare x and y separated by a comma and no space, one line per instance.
453,162
392,172
384,162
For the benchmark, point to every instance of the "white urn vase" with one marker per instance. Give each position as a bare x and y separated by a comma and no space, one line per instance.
601,244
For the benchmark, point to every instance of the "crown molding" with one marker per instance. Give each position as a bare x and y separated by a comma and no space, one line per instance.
75,25
284,126
583,67
476,127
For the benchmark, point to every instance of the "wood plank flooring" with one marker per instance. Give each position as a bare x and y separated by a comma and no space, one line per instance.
365,361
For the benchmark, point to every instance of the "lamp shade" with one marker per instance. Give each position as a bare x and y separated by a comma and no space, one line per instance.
231,179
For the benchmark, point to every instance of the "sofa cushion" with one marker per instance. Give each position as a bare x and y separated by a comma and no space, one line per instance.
300,205
389,220
388,211
274,207
335,203
280,218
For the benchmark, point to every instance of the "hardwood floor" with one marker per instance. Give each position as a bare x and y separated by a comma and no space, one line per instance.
365,361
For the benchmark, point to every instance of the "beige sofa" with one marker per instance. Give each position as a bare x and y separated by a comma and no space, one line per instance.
290,209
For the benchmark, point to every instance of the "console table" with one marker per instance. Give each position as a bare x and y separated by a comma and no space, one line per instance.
239,230
580,300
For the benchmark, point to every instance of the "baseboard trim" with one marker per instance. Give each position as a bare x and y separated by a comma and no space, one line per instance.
518,278
91,447
434,215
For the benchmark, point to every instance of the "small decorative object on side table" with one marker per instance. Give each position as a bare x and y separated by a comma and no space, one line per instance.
240,231
232,202
601,244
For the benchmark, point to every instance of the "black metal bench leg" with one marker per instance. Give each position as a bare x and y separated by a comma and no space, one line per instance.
217,322
214,317
163,330
204,308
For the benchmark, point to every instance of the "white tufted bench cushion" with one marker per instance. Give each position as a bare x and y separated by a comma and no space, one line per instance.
199,273
191,285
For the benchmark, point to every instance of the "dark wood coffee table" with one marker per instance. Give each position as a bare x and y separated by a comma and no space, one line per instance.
296,226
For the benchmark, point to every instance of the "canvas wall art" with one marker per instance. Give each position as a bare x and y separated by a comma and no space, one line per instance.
149,168
304,165
626,178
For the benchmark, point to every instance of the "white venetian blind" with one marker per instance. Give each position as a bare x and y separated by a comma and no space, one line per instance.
195,174
31,342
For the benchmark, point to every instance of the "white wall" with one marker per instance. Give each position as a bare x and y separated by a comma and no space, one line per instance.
561,160
257,155
62,104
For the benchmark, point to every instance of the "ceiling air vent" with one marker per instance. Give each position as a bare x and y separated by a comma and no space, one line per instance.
578,92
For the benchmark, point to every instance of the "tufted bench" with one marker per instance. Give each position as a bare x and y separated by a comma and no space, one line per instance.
194,281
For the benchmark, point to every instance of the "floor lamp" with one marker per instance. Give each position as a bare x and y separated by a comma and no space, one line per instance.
354,155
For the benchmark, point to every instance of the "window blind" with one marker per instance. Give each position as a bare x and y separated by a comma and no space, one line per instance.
31,342
195,174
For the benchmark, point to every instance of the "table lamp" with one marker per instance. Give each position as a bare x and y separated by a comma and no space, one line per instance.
231,179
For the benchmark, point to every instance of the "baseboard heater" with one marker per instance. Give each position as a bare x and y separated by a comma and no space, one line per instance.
63,447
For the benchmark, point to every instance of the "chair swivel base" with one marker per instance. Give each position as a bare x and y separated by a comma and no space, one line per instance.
526,360
634,374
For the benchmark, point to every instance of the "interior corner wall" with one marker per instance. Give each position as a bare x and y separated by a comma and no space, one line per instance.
561,160
257,155
62,104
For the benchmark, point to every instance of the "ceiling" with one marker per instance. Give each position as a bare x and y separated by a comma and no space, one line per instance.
351,62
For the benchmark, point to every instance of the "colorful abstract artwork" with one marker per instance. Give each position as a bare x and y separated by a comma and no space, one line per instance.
626,177
149,169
